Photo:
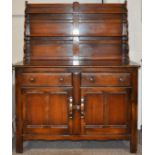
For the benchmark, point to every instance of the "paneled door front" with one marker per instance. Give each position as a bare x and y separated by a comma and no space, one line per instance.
46,110
105,110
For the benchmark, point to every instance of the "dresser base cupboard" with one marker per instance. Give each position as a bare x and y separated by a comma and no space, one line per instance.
80,85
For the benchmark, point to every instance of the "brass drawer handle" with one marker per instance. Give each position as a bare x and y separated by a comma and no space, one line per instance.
92,79
70,103
61,79
32,79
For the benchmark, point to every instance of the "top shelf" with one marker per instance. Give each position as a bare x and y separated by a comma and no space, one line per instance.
76,8
63,35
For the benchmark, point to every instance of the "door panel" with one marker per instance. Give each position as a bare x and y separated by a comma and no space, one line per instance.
57,109
117,108
106,109
45,110
35,109
94,109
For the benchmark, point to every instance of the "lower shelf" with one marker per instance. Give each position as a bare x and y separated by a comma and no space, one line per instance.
76,137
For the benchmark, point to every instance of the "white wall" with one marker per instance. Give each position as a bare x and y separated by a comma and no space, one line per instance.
135,44
135,33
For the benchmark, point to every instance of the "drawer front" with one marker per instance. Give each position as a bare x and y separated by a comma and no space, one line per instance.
52,79
105,79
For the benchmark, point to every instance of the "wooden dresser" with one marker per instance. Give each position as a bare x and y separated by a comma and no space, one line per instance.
76,81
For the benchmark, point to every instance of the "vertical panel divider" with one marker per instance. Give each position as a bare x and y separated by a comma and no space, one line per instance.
75,30
106,108
76,101
47,108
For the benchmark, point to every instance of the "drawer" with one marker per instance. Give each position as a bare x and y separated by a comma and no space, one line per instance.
52,79
105,79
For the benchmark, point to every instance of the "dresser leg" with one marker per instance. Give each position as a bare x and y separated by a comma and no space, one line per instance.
133,143
19,144
133,148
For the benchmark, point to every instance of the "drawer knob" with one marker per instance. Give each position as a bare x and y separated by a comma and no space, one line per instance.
32,79
61,79
92,79
121,79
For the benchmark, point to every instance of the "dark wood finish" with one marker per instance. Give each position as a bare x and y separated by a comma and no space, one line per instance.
44,79
105,79
45,110
86,31
76,81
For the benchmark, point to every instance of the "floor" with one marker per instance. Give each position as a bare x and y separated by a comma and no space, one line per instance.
78,147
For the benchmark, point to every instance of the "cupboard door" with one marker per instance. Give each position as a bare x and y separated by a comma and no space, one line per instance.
105,110
45,110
